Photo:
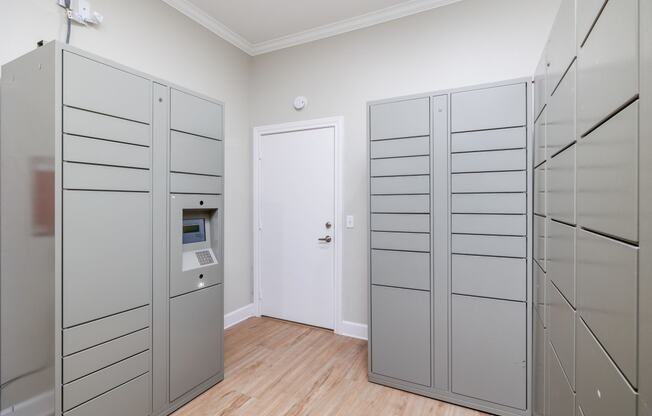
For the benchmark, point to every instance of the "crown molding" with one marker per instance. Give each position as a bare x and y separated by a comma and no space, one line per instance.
321,32
212,24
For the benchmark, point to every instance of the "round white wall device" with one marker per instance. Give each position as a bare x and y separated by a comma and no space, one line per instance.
300,103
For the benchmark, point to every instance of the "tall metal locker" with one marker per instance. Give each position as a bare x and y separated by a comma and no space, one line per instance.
449,282
85,217
596,303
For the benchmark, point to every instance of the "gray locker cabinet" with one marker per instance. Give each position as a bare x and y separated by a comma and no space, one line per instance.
94,284
400,241
195,115
560,115
78,176
181,183
196,330
560,180
418,146
607,297
508,203
607,176
486,366
99,126
88,83
540,89
500,139
492,277
560,258
587,13
488,108
561,48
561,398
418,165
400,269
510,225
489,245
498,160
561,330
415,223
408,118
540,285
601,388
539,369
608,64
400,331
195,154
400,204
488,182
540,190
540,138
129,399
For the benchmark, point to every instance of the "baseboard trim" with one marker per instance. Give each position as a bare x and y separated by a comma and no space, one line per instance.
238,315
353,330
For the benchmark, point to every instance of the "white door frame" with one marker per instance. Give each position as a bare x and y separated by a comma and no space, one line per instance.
337,123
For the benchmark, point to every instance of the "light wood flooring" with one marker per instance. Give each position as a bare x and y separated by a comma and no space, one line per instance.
278,368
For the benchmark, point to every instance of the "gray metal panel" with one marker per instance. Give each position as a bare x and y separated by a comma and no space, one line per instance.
541,86
561,186
561,330
607,177
540,138
87,84
561,46
400,269
416,223
192,114
489,245
539,378
499,160
196,184
489,353
540,241
409,118
539,191
400,185
196,331
101,178
103,355
400,331
489,204
400,241
607,297
93,333
607,65
400,203
489,182
510,138
491,277
515,225
102,227
489,108
80,149
417,146
89,124
418,165
100,382
560,115
194,154
601,388
540,284
561,398
130,399
587,13
560,258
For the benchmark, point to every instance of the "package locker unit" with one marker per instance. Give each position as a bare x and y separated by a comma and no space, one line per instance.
96,302
592,336
449,280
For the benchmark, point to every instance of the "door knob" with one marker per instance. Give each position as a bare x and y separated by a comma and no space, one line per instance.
326,239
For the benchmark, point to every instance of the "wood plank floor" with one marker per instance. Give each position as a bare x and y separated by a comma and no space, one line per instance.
280,368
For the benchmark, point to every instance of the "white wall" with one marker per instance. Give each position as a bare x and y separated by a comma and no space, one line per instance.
466,43
152,37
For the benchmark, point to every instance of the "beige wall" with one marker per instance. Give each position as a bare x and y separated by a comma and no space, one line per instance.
466,43
152,37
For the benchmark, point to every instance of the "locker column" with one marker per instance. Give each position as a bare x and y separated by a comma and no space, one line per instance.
489,245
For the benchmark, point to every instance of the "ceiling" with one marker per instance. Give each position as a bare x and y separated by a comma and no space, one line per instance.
260,26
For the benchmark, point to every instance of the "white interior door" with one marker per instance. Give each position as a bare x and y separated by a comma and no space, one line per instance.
296,216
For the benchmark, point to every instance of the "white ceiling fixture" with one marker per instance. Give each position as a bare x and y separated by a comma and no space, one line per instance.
261,26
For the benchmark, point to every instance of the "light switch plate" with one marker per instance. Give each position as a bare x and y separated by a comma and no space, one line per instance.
349,221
